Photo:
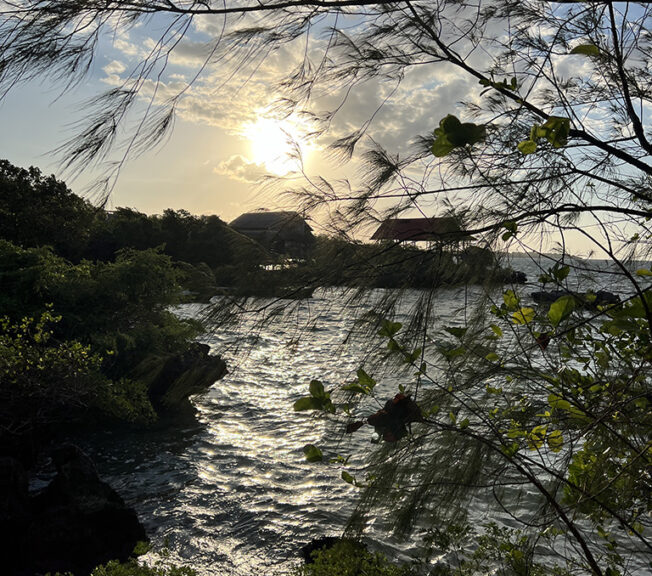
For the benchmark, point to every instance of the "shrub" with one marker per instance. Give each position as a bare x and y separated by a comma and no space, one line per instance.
347,558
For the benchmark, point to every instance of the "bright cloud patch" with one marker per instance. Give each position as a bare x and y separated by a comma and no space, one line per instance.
240,168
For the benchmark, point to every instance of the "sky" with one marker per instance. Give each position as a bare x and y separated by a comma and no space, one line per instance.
226,136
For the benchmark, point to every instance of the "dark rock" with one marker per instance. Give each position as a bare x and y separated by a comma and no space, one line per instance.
173,379
78,521
517,277
14,511
589,300
602,298
549,296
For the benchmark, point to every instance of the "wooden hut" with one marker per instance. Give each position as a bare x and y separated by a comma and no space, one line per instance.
445,231
282,232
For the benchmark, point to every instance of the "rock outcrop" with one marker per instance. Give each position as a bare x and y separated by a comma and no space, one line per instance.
588,300
75,523
171,380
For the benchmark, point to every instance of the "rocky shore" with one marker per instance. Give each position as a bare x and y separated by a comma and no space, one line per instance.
78,521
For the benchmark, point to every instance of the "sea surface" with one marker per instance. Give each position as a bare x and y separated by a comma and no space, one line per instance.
233,494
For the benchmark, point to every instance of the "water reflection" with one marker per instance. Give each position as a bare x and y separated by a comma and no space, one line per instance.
235,495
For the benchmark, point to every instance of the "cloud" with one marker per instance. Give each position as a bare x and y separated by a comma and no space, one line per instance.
240,168
232,92
190,54
114,67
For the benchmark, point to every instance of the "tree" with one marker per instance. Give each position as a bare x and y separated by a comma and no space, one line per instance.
553,138
36,210
122,228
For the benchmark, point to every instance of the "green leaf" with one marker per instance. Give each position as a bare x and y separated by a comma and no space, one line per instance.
511,300
389,328
560,309
455,331
356,388
560,272
347,477
365,380
558,403
452,352
526,147
555,440
511,227
537,436
413,357
313,454
586,50
394,346
464,423
441,146
450,124
492,357
557,130
452,133
467,133
317,389
644,272
364,384
536,132
497,330
523,316
307,403
515,431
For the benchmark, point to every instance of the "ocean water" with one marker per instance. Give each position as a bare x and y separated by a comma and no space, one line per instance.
233,494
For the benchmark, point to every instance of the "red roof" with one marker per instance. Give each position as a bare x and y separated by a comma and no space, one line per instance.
420,229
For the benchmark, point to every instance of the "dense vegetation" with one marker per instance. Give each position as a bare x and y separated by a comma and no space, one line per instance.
79,314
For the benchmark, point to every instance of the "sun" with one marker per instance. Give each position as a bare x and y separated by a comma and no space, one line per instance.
277,145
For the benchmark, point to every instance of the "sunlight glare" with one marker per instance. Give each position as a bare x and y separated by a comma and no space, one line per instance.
277,145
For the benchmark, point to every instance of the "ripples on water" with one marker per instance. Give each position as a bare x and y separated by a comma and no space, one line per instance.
234,494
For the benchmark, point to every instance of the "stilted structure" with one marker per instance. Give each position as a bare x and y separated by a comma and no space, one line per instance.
437,232
281,232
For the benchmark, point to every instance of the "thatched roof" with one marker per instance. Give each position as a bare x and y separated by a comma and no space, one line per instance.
421,230
283,225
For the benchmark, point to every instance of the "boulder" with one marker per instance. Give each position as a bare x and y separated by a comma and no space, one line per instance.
171,380
517,277
15,511
589,299
78,521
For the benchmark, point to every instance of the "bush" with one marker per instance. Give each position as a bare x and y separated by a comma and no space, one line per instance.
133,568
42,380
348,558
